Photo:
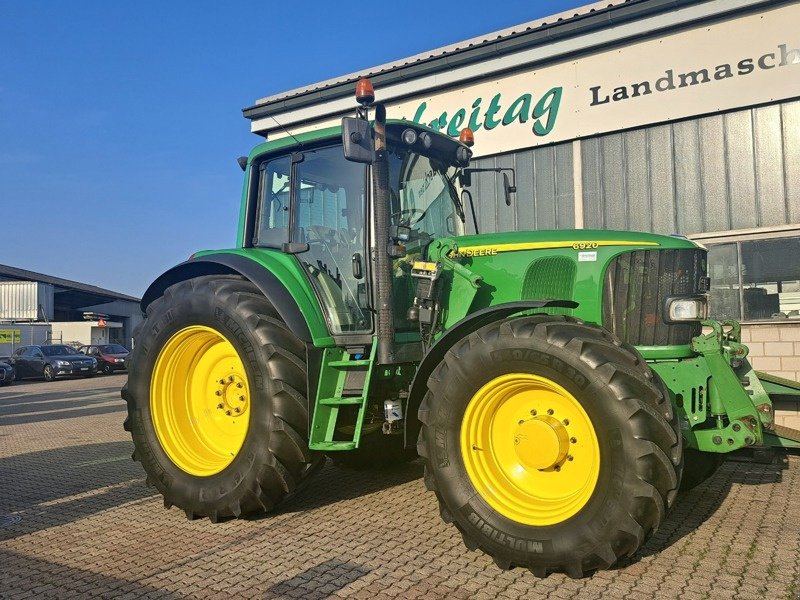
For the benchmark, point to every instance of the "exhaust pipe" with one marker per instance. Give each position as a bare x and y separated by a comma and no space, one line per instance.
383,262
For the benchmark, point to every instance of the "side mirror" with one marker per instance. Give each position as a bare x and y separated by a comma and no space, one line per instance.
508,189
357,140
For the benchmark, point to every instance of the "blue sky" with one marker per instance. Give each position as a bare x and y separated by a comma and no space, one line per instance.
120,123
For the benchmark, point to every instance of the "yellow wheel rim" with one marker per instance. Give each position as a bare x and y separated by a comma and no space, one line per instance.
530,449
200,400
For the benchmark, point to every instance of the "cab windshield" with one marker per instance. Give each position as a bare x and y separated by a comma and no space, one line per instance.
423,196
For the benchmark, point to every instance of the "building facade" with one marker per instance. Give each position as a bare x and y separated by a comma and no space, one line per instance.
36,308
670,117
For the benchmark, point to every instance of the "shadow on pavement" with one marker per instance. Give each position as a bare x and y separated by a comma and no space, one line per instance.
87,411
695,506
320,581
17,395
334,484
54,487
31,407
41,578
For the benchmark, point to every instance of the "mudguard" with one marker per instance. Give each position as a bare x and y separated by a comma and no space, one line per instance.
233,264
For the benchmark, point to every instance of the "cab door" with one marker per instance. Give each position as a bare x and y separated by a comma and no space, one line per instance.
312,204
328,214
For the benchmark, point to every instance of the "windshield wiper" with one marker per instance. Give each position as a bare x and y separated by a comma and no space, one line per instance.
456,200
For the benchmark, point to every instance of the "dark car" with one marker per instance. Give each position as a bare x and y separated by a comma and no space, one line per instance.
110,357
6,373
52,361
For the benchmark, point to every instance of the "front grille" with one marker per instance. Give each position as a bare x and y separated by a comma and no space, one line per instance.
635,287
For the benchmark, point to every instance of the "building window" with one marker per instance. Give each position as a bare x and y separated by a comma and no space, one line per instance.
755,280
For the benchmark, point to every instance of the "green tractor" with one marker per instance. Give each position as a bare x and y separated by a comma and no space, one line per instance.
558,385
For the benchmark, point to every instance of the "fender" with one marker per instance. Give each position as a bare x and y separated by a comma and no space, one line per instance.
472,322
233,264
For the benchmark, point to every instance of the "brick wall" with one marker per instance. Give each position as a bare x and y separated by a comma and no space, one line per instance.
775,348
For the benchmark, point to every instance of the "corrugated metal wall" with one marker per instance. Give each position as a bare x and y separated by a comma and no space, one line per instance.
545,191
26,300
732,171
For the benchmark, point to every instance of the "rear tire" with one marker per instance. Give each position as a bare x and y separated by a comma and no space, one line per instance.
107,369
578,369
205,473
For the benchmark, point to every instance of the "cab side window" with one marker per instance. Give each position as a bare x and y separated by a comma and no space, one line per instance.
274,184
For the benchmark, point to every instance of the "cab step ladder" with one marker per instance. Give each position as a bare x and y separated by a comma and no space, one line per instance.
337,364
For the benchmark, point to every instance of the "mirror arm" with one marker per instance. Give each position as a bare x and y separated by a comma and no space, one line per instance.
471,208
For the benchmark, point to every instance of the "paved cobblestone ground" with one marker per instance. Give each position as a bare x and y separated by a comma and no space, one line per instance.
76,520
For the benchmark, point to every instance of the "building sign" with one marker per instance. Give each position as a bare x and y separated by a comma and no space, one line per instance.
10,336
741,62
744,61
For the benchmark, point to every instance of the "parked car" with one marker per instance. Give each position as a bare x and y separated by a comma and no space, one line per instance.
52,361
110,357
6,373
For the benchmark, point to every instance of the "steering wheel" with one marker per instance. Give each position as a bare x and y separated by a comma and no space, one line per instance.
409,212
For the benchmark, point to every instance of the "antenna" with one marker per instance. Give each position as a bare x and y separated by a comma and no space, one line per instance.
286,131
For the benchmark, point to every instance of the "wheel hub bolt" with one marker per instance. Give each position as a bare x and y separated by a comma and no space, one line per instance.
570,457
717,440
557,468
237,410
533,412
220,406
218,392
227,412
241,398
239,385
566,421
230,378
574,440
222,382
550,411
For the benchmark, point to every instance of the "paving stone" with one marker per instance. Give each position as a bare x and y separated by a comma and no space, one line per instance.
90,527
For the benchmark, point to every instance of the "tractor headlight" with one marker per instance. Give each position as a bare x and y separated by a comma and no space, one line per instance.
409,137
694,308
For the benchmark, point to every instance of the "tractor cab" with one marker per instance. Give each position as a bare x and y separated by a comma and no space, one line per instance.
314,200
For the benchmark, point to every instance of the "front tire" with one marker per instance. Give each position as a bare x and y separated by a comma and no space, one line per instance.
107,369
48,373
216,398
549,445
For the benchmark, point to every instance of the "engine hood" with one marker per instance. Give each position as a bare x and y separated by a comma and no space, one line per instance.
499,268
